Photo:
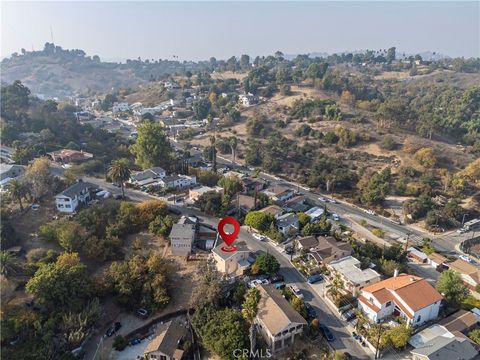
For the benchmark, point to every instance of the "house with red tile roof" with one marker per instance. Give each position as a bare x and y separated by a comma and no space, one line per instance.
409,297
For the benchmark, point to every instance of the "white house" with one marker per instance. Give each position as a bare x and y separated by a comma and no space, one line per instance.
147,177
315,213
287,222
232,263
8,172
69,199
276,320
248,100
409,297
120,107
177,181
181,239
352,276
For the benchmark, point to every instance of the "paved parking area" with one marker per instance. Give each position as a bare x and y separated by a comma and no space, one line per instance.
426,271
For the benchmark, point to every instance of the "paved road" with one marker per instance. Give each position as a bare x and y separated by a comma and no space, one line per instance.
343,341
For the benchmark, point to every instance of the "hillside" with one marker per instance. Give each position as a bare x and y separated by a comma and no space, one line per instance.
55,72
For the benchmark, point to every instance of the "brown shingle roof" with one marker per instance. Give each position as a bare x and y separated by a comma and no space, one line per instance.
466,268
308,242
461,321
167,338
272,210
274,311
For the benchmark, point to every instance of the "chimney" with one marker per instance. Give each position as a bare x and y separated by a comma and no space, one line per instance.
395,273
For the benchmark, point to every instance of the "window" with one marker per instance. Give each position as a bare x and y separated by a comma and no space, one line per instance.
389,303
419,318
68,206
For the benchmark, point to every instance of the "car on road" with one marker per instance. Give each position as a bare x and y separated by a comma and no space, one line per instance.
326,332
296,291
113,329
465,258
314,278
370,212
332,201
348,315
279,286
310,311
276,278
259,237
462,231
143,313
335,217
322,199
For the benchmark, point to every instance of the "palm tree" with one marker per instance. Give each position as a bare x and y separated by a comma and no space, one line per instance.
119,171
214,153
8,264
249,312
17,191
233,145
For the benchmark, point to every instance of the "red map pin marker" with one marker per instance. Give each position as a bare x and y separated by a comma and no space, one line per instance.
228,238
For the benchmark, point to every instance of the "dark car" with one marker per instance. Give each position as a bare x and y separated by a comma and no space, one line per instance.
113,329
326,332
348,315
310,311
142,312
314,278
277,278
174,211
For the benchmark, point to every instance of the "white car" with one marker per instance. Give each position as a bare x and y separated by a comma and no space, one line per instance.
296,291
256,282
371,212
465,258
462,231
333,201
259,237
335,217
322,199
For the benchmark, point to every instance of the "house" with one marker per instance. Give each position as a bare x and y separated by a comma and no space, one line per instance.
274,210
296,204
307,243
409,297
244,203
66,156
8,172
206,236
177,181
352,276
248,100
181,239
167,342
6,154
470,273
235,174
232,263
328,250
276,320
147,177
462,321
69,199
195,193
287,223
315,213
279,193
436,260
445,348
416,255
120,107
253,185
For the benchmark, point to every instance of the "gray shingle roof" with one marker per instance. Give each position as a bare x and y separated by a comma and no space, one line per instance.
447,348
76,189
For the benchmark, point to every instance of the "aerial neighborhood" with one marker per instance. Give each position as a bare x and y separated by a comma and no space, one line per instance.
354,179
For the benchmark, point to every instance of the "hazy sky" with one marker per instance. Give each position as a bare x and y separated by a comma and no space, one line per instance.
199,30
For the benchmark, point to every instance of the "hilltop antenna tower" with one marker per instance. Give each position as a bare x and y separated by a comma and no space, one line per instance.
51,34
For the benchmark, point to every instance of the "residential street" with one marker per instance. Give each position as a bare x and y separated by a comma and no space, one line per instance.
343,342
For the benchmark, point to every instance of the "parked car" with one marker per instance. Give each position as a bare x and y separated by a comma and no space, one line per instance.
296,291
142,312
462,231
288,250
279,286
256,282
259,237
322,199
348,315
113,329
310,310
465,258
276,278
332,201
370,212
335,217
314,278
326,332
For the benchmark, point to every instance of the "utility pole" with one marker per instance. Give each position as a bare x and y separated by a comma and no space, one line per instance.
377,348
406,242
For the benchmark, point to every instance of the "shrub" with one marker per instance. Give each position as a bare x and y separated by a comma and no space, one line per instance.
378,232
119,343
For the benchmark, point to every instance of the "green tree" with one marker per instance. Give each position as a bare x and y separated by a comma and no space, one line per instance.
475,335
119,172
9,264
62,284
321,227
451,286
17,191
152,147
299,306
377,188
259,220
161,226
303,219
267,263
210,202
249,311
233,145
399,336
39,178
231,185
